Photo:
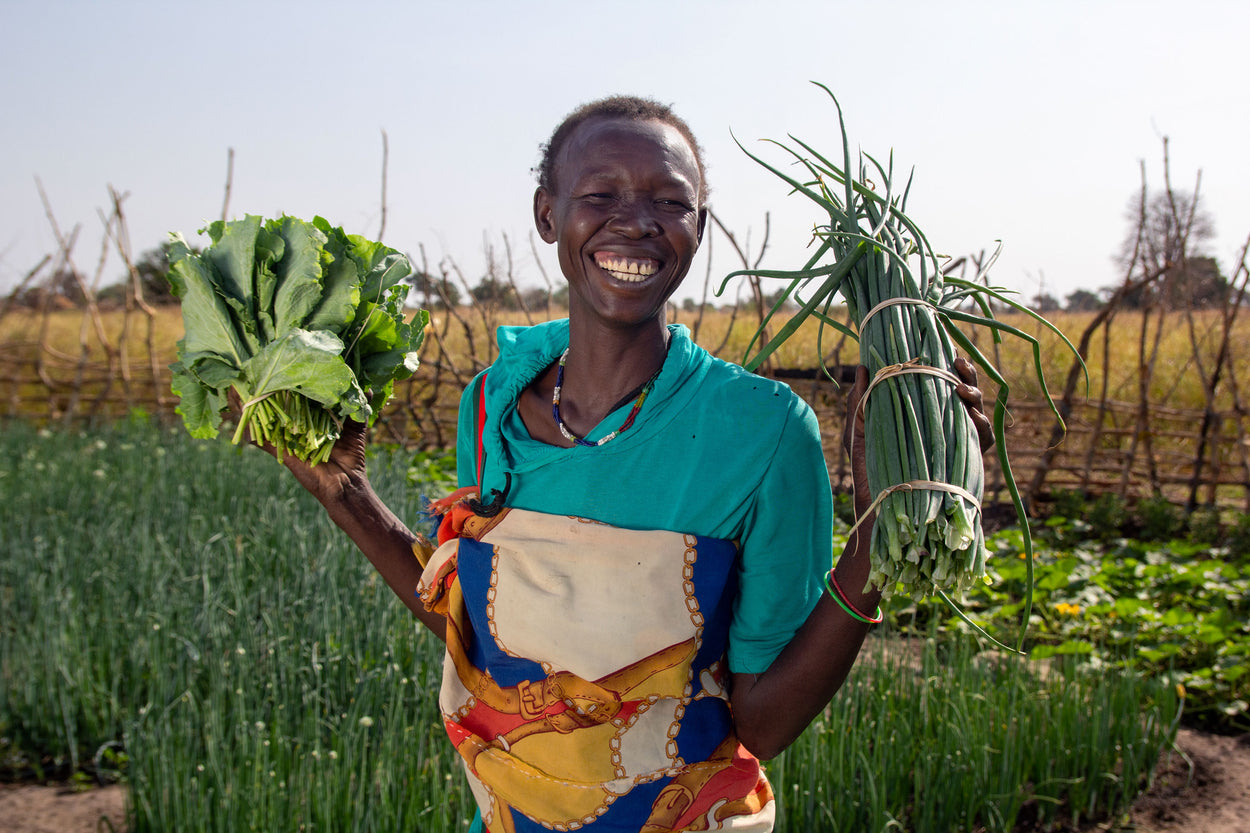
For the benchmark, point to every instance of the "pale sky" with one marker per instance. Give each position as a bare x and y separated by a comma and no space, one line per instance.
1026,122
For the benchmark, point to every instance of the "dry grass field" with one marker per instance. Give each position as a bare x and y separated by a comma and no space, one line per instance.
1134,429
74,342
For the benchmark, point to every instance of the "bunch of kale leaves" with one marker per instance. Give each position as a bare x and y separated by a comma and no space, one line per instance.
304,322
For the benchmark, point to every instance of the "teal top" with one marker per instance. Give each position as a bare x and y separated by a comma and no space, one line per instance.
714,451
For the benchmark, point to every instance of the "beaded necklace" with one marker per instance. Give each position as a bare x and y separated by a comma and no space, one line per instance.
629,420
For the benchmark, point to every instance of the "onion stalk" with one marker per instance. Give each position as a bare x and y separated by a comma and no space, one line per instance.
925,467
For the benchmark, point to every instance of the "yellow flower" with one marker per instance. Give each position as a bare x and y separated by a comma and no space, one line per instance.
1065,609
1180,691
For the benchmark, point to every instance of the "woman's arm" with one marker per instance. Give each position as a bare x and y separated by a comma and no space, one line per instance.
773,708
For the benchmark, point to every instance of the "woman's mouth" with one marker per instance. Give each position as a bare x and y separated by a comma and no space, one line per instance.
628,269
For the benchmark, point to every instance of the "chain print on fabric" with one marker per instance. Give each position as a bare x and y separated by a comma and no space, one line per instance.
696,618
621,725
491,593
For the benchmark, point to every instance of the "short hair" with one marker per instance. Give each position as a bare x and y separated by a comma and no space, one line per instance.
629,108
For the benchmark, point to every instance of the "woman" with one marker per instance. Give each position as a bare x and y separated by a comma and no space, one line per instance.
631,583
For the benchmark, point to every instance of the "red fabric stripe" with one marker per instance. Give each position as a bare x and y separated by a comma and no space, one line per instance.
738,780
481,427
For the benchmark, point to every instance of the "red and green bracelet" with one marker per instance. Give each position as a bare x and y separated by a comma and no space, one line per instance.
835,591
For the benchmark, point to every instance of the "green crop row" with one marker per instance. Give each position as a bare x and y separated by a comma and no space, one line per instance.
180,616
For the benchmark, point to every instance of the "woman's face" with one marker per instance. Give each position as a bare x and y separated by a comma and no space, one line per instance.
624,212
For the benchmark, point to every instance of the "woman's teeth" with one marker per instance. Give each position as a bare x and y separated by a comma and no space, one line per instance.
626,268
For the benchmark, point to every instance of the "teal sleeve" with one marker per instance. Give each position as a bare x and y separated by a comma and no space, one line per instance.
466,434
786,548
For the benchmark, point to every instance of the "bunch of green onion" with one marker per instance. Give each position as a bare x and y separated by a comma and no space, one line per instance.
922,445
925,468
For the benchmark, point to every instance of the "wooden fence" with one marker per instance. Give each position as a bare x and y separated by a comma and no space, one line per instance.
118,367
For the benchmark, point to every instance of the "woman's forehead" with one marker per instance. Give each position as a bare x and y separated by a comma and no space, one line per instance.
599,145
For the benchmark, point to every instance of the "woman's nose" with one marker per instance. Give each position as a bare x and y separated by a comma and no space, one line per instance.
636,218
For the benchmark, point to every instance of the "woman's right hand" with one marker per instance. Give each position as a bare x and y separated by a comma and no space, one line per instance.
331,481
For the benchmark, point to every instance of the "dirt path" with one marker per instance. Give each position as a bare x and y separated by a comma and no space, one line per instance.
29,809
1211,797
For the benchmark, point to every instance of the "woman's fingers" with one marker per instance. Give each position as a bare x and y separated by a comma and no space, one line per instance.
974,402
349,449
853,441
853,430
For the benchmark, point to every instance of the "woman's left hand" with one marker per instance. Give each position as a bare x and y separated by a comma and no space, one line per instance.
853,441
971,396
853,430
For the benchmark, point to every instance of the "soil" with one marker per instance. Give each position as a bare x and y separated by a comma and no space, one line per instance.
61,809
1208,793
1205,788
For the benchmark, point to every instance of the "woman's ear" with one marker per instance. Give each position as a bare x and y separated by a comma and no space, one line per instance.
543,220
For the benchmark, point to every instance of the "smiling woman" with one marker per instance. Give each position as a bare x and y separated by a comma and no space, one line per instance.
626,216
629,580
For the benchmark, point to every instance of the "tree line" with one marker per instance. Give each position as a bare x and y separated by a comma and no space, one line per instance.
1168,241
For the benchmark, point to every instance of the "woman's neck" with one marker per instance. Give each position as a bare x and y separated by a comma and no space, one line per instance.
606,363
603,368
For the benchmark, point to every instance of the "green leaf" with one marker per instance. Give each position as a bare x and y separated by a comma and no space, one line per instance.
1126,606
275,310
384,267
1071,646
1176,617
297,274
211,371
233,256
199,406
419,322
264,327
311,364
270,249
379,368
341,280
378,330
1209,634
207,321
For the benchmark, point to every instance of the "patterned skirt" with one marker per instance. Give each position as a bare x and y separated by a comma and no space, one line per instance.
585,682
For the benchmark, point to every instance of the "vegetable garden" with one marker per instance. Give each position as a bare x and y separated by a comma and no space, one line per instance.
179,615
